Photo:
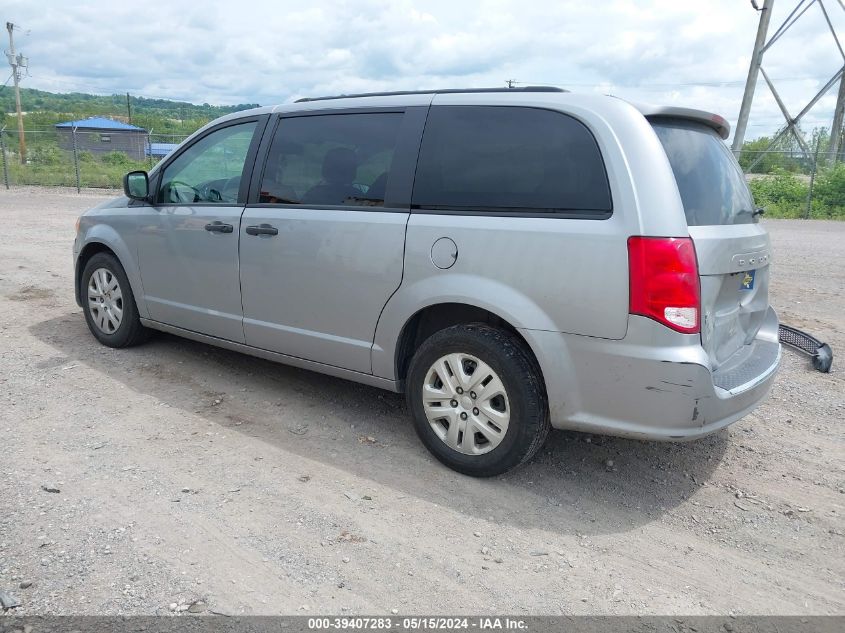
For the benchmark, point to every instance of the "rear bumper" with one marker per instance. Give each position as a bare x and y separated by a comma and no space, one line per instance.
654,384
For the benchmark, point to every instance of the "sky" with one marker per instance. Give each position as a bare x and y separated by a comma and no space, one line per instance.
676,52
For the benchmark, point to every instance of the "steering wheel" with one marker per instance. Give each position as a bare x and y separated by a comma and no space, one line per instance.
172,190
227,193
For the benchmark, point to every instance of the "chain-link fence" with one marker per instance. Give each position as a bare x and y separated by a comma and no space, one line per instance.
74,157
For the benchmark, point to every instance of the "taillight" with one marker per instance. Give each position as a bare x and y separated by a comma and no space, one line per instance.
664,281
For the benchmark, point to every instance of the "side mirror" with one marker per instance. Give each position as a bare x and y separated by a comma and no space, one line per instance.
136,185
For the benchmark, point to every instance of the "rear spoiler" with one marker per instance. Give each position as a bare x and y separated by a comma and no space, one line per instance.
714,121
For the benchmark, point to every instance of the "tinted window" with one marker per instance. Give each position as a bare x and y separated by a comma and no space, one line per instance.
710,181
209,170
501,159
333,159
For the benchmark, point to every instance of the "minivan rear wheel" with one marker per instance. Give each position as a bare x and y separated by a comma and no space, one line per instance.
477,399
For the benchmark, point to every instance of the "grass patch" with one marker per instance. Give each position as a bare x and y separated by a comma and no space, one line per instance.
784,195
53,167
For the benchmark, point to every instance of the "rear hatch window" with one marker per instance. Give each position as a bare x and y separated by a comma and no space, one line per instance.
732,249
710,181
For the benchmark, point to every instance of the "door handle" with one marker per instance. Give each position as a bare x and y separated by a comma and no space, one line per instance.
262,229
218,227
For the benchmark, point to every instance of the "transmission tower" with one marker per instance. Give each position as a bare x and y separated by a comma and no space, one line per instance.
756,67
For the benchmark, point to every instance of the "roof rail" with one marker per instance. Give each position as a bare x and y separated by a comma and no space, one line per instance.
431,92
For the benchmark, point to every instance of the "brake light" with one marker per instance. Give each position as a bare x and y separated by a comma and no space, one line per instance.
664,283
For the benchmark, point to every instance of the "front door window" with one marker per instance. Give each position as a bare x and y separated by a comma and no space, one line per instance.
209,171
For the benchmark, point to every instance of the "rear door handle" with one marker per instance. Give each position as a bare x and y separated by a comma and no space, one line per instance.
218,227
262,229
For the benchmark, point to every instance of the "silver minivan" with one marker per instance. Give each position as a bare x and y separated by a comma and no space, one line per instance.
513,260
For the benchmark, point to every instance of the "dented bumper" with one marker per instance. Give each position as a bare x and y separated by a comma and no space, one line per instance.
654,384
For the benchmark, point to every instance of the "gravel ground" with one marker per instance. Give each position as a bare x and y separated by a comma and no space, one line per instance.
177,477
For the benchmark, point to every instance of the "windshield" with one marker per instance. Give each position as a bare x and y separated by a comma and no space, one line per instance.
711,184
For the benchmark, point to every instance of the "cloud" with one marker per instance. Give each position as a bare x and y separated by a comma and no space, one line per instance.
227,52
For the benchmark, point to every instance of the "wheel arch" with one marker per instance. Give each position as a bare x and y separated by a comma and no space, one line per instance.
439,316
471,297
104,239
87,252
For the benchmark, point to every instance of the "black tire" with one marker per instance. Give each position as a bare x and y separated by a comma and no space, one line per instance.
507,356
130,331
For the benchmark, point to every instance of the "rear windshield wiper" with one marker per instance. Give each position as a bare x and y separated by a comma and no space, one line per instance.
754,213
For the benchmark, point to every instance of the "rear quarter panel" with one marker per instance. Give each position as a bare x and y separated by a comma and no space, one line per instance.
544,273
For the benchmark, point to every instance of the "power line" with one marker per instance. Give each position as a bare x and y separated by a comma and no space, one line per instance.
706,84
6,83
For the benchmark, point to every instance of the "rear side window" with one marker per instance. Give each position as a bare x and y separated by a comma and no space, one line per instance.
333,159
510,160
710,181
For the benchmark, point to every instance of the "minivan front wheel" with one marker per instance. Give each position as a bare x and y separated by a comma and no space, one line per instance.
109,305
477,399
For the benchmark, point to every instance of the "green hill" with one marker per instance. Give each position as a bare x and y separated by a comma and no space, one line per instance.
45,109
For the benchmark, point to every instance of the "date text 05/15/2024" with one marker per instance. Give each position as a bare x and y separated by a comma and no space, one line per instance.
418,623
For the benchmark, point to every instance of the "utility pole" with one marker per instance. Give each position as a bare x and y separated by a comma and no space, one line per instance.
837,127
16,62
510,82
128,108
753,70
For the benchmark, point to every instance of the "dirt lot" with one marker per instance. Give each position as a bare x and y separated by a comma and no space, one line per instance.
187,473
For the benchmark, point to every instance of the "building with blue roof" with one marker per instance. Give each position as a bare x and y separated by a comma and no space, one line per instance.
100,135
99,123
